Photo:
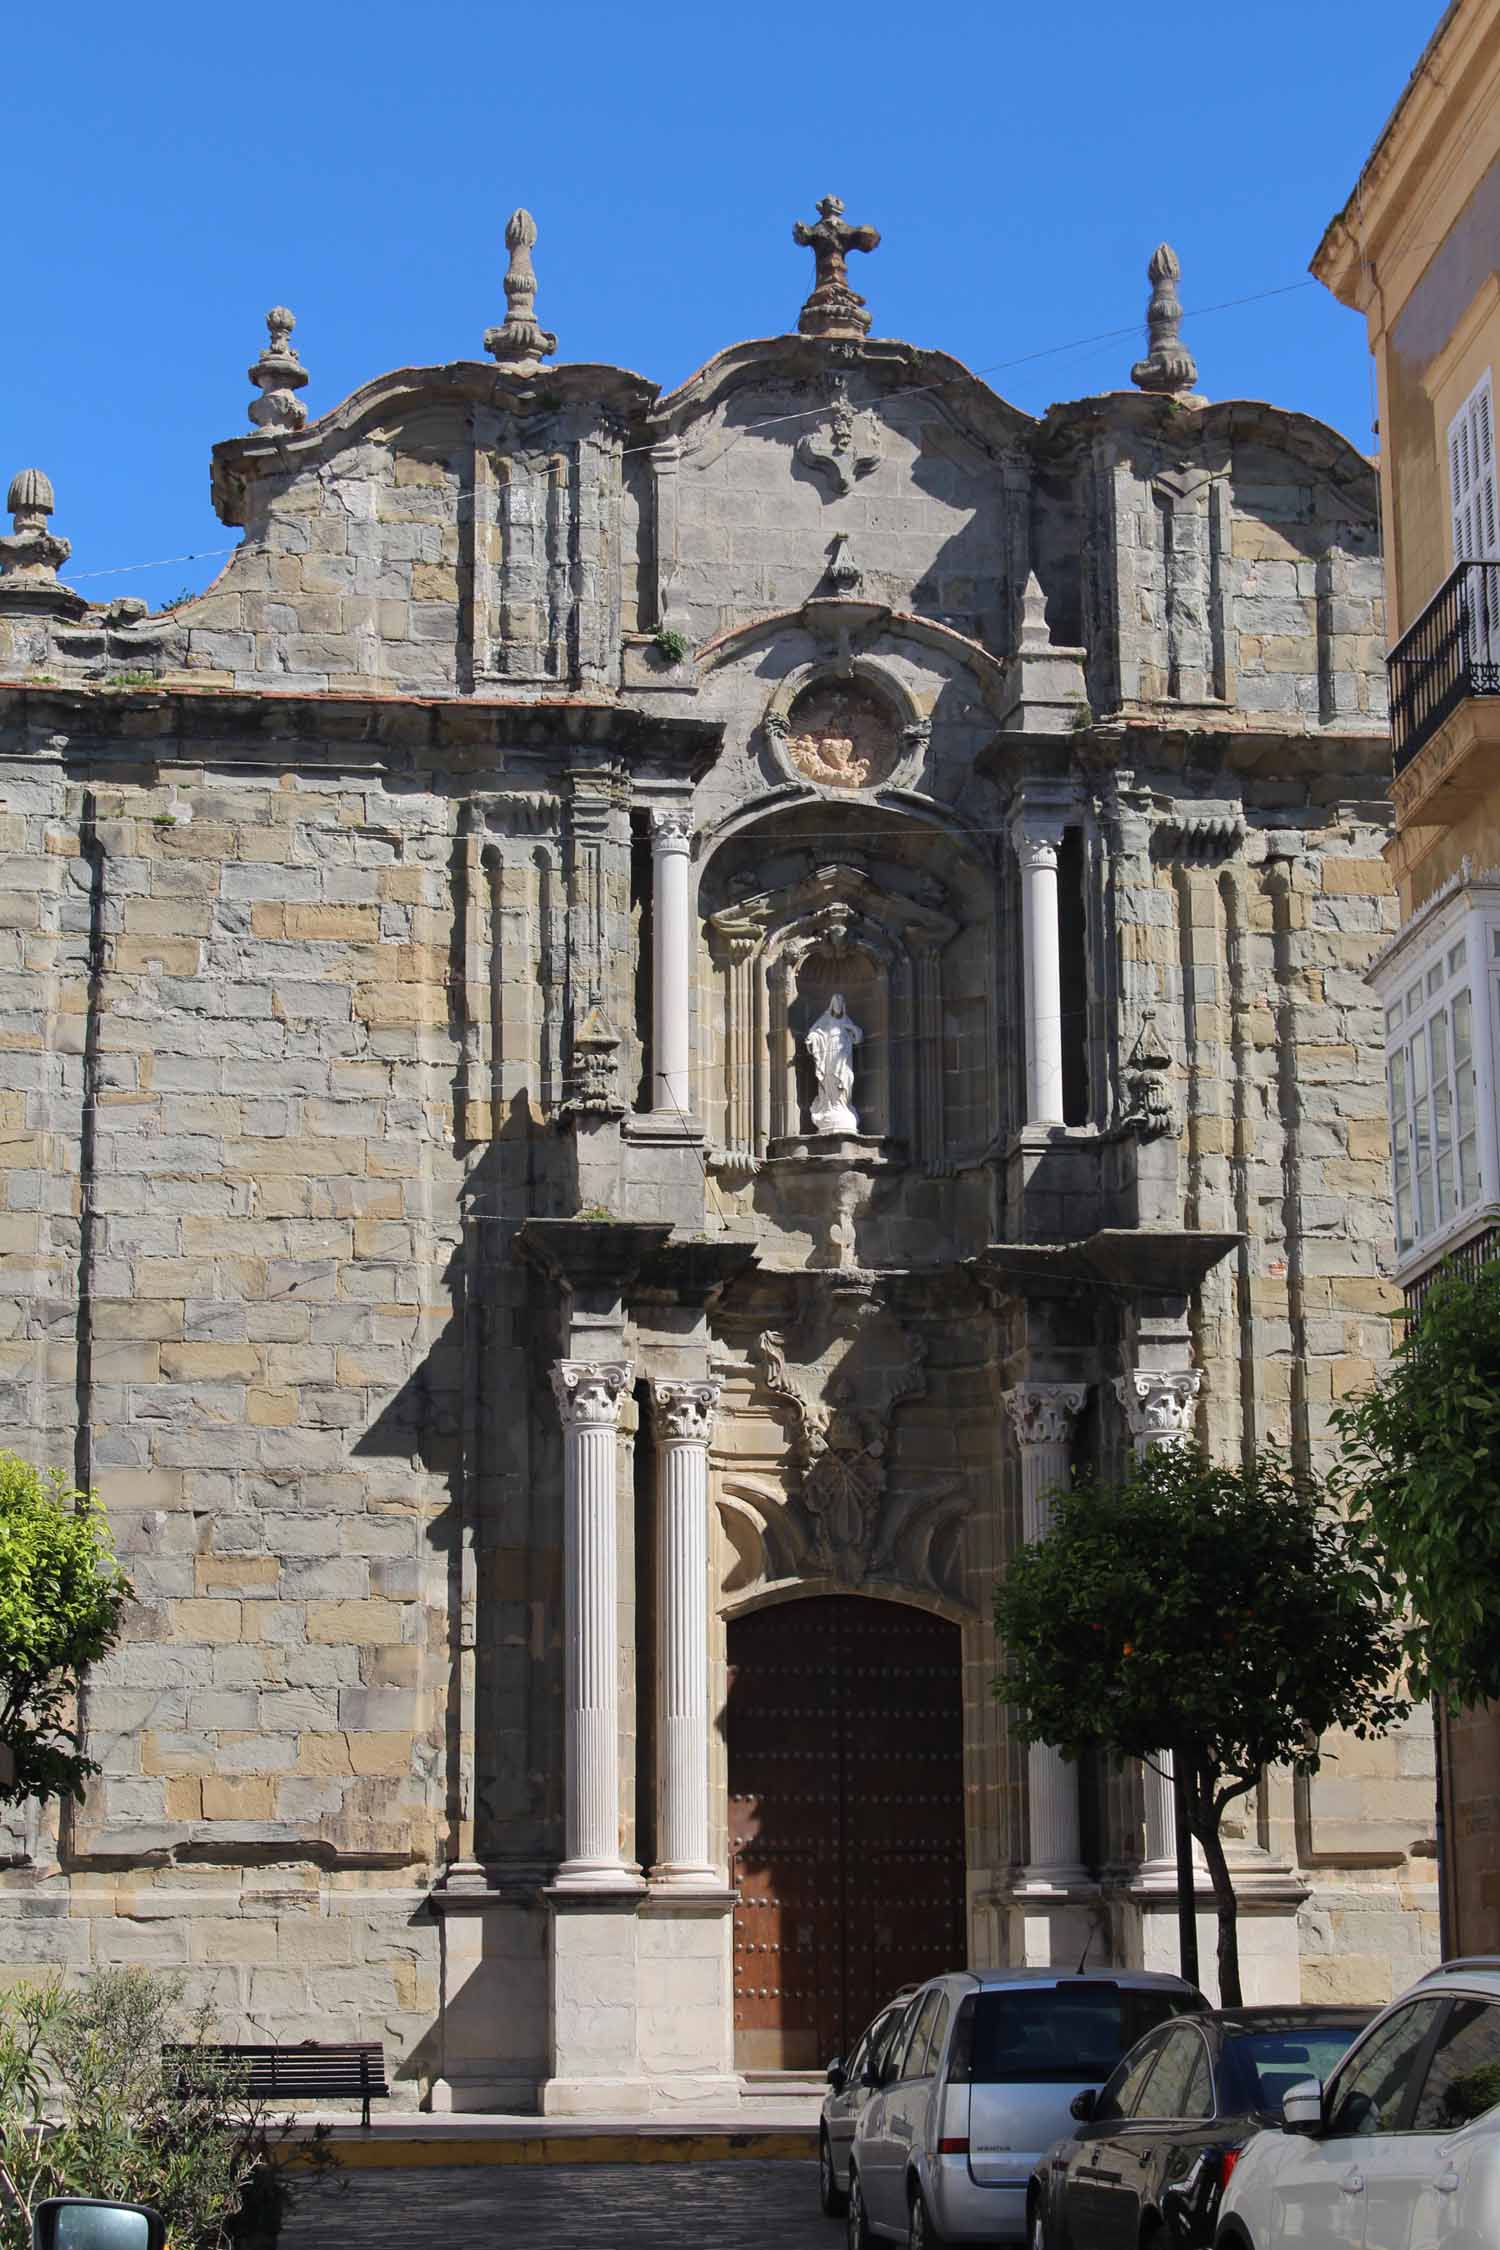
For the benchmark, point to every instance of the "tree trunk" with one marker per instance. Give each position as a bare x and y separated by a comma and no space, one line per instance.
1224,1899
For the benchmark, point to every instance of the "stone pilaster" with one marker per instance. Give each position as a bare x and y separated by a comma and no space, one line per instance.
1043,1416
589,1395
682,1423
1159,1411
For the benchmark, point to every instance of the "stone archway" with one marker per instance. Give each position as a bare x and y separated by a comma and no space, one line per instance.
844,1731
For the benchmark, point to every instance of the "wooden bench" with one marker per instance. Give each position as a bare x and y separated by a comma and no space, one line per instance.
294,2074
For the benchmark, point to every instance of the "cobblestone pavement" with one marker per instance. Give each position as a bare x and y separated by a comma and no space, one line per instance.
742,2206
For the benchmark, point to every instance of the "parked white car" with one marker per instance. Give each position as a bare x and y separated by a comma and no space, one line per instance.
1401,2149
976,2083
851,2081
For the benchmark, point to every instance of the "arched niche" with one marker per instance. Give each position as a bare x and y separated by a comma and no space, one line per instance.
822,924
860,974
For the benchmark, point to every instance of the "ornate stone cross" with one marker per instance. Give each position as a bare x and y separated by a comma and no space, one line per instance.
833,309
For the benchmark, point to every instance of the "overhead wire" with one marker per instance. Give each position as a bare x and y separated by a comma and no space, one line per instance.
773,421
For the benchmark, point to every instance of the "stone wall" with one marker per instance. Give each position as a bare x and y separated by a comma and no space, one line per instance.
330,912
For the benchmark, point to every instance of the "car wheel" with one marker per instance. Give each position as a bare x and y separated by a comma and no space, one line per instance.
856,2225
1037,2231
831,2197
921,2234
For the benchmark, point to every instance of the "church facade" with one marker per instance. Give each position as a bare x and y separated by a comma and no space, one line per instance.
620,1047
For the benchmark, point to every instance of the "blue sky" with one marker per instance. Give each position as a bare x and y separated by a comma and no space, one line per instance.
175,171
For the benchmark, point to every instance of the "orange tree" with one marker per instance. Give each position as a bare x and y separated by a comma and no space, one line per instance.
1419,1472
61,1597
1219,1614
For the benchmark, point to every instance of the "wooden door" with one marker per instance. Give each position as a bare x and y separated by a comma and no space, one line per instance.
846,1818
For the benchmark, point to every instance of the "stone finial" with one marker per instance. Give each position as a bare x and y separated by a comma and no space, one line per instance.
279,374
518,342
1035,639
1168,366
833,309
31,499
32,553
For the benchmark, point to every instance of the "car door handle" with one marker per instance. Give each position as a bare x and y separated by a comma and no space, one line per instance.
1353,2183
1446,2182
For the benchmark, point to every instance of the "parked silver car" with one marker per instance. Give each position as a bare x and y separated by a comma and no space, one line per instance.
976,2084
851,2080
1401,2148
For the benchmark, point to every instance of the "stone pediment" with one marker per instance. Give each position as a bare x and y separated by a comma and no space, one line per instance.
524,405
880,365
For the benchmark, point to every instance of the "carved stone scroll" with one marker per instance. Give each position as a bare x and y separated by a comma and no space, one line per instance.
839,1376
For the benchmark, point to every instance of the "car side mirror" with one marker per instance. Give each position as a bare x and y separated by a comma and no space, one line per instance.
1302,2106
82,2222
1083,2105
836,2074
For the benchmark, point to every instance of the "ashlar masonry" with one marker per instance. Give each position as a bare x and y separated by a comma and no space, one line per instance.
563,1483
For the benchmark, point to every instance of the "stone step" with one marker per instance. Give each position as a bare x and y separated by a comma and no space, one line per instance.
418,2140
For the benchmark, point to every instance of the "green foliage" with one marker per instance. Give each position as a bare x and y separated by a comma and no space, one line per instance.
1220,1614
1419,1472
87,2107
670,646
135,678
1219,1610
61,1595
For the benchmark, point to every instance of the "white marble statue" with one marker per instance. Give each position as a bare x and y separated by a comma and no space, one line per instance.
830,1044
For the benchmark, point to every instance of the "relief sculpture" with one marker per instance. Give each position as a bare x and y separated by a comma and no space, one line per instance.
838,1375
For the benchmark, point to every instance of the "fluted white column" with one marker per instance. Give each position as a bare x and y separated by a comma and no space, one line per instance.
1159,1411
682,1423
589,1395
671,960
1043,1416
1037,837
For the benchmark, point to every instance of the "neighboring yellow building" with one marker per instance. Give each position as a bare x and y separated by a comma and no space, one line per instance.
1416,249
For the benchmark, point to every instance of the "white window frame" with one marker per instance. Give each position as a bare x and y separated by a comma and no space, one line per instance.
1418,979
1474,510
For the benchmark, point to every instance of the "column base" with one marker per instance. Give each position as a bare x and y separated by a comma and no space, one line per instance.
1159,1875
690,1882
1053,1882
608,1876
663,1125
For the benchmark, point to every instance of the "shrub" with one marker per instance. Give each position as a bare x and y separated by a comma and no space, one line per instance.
89,2107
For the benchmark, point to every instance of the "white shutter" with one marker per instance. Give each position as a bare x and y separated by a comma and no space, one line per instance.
1471,477
1484,471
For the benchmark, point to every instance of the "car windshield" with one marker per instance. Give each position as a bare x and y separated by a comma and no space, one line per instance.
1066,2034
1267,2064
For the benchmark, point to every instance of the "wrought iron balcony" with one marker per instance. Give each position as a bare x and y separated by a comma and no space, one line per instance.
1451,653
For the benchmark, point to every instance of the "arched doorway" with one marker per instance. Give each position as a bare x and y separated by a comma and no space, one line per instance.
844,1729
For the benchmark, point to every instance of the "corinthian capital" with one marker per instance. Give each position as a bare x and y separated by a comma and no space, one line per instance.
1159,1408
589,1392
1044,1413
671,829
684,1410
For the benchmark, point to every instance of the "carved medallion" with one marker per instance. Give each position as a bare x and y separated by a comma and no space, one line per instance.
841,737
